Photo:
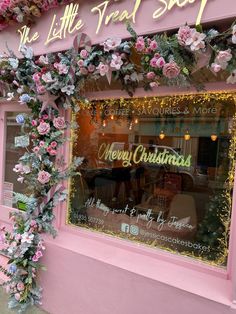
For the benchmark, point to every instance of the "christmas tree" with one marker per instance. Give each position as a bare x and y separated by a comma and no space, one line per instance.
213,230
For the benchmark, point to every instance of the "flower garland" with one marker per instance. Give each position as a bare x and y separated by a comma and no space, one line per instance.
52,82
19,11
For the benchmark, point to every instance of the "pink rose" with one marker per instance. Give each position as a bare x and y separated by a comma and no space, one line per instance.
140,44
43,128
53,144
153,84
36,77
41,143
49,149
20,286
83,54
160,62
223,57
33,223
59,123
44,177
17,296
80,63
36,149
151,75
41,89
153,45
153,62
103,69
171,70
53,152
183,34
215,67
45,117
34,123
37,256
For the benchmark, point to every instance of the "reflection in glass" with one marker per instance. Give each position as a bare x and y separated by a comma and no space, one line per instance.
156,176
12,156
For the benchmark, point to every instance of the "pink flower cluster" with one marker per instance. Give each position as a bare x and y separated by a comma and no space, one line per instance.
51,148
189,37
61,67
103,69
141,46
37,256
23,10
22,169
39,87
111,44
157,61
85,69
17,289
4,5
221,60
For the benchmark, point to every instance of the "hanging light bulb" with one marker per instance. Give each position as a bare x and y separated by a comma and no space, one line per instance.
136,121
214,137
112,117
162,135
187,136
104,124
103,134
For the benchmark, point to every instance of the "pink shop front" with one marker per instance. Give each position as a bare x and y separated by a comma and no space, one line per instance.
148,225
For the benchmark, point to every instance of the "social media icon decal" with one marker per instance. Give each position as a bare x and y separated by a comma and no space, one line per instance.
125,228
134,230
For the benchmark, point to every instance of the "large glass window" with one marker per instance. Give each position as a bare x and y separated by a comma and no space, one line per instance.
158,171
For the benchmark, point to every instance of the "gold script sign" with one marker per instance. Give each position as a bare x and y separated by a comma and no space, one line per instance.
141,154
70,22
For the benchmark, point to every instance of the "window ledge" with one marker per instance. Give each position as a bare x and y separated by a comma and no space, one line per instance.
202,283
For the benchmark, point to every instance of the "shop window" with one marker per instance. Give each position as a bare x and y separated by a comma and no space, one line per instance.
13,152
157,171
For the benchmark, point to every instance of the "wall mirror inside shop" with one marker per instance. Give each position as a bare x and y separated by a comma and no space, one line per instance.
158,171
15,148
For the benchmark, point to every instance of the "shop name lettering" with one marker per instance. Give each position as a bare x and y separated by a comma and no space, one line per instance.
70,22
141,154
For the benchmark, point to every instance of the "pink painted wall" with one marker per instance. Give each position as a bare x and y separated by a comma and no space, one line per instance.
144,24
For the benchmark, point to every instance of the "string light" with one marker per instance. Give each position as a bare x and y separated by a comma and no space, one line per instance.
162,135
104,124
214,137
136,121
112,117
187,136
131,126
146,103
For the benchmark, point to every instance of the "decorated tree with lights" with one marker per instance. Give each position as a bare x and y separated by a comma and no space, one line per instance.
213,229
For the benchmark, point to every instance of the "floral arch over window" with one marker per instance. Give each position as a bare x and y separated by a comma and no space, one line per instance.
48,83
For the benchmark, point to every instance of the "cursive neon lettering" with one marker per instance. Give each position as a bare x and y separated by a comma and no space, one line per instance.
25,36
